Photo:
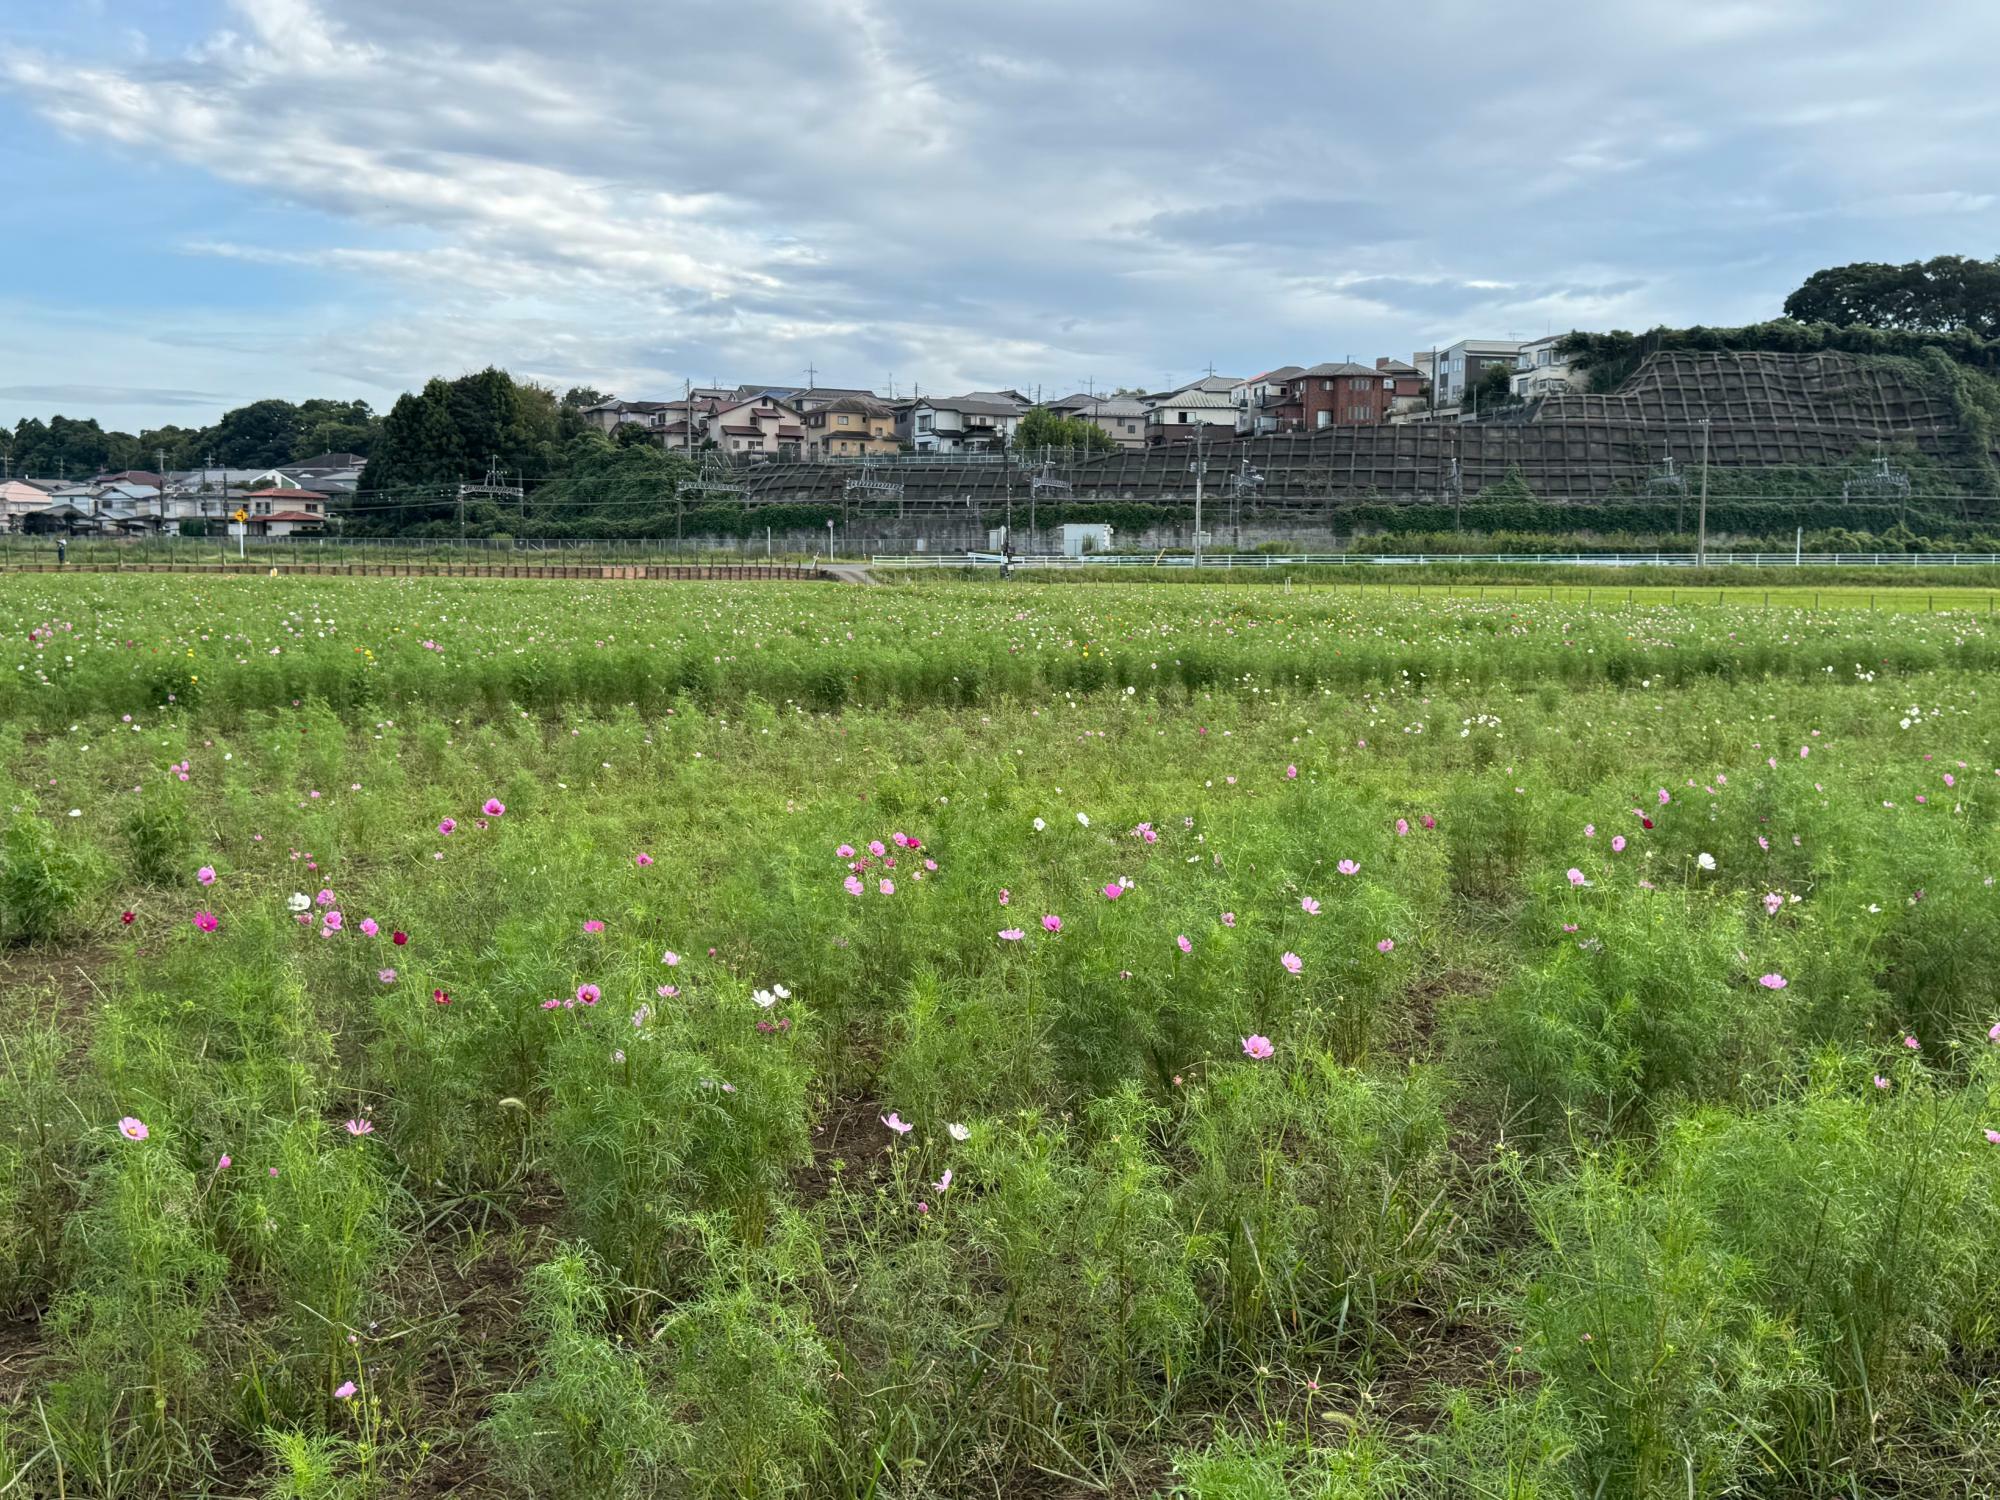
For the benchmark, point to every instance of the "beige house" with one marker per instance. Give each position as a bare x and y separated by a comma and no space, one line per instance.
758,426
1122,418
850,427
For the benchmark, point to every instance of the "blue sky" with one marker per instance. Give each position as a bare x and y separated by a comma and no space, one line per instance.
213,202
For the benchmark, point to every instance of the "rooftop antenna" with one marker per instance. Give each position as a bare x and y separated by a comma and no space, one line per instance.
812,374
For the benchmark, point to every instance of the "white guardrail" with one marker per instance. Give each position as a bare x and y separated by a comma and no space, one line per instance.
1230,560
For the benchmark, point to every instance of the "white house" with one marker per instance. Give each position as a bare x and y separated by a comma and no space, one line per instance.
1460,366
1184,415
1540,371
959,424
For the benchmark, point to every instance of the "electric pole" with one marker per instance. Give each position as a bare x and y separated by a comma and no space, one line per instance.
1197,466
1701,536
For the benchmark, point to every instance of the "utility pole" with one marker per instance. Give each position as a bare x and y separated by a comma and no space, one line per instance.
1701,539
687,413
1007,468
812,375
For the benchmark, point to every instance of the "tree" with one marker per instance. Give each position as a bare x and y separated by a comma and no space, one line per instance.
1041,428
1938,295
63,447
1494,389
261,435
335,427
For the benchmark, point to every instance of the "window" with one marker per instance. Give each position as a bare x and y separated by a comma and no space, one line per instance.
1325,417
1326,385
1183,416
843,420
736,443
1388,385
1357,383
1131,427
923,421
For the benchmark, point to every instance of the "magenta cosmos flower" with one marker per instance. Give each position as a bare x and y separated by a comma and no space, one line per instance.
642,859
205,920
1113,891
133,1128
1258,1047
1184,943
494,807
1292,962
448,827
589,994
593,926
1051,923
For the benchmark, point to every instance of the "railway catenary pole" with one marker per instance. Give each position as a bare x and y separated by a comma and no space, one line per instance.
1701,535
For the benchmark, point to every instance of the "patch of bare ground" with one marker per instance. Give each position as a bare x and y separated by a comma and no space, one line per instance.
1425,1001
61,984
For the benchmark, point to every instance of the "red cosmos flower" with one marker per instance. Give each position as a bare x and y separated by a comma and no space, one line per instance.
1645,822
440,997
126,918
399,938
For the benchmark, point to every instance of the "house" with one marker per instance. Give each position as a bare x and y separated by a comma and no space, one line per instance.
1409,390
20,497
814,398
1121,418
1265,402
209,495
1188,414
1342,394
1213,385
1540,371
850,426
329,473
757,426
1460,366
973,423
608,416
284,512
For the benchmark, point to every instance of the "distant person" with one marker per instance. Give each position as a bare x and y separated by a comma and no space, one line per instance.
62,551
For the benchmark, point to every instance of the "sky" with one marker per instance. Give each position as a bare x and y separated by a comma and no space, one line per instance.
213,201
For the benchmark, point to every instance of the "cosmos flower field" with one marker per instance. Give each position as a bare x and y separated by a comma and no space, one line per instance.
507,1039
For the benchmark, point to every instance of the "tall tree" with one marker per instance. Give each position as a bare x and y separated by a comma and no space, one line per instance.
261,435
1938,295
1041,428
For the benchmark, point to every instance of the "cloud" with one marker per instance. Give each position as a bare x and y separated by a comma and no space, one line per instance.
107,395
592,193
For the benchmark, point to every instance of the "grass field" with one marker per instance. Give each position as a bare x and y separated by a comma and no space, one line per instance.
506,1039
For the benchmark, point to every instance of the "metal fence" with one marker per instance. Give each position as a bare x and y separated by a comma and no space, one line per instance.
1234,560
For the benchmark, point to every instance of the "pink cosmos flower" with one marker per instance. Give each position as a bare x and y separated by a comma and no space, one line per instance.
1291,773
205,920
360,1127
1772,901
1590,830
1348,867
1113,891
133,1128
1664,798
1402,828
1184,943
1618,843
589,994
852,885
387,976
1309,906
1005,897
1292,962
369,927
1257,1047
896,1123
1051,923
1229,919
1993,1035
1387,945
593,926
1428,821
671,959
1011,934
845,851
875,847
1772,981
222,1162
448,826
206,875
1993,1137
494,808
643,860
333,921
887,887
943,1183
1912,1043
344,1391
1881,1082
1576,876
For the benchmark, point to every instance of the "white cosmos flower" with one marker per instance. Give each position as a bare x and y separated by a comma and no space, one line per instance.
1039,825
1084,819
781,992
1706,861
765,999
299,901
959,1132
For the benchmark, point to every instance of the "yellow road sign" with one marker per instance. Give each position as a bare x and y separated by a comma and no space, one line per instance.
239,514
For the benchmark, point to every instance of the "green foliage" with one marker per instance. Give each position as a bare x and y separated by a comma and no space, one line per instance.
1041,428
590,1421
43,876
1939,295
